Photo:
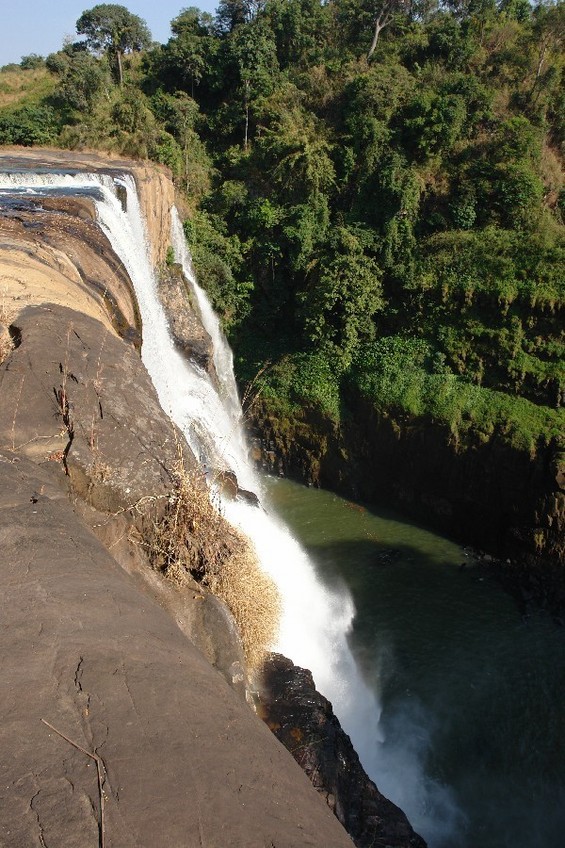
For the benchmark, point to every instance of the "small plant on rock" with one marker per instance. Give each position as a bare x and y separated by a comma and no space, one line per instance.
191,539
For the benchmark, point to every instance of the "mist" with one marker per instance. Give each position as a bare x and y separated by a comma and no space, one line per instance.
399,769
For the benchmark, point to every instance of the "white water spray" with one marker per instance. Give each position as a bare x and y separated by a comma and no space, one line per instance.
185,391
222,352
315,620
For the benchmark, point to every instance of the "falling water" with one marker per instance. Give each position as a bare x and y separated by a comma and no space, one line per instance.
185,391
222,352
315,619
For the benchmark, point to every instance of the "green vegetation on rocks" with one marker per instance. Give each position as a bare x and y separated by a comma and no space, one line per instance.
375,191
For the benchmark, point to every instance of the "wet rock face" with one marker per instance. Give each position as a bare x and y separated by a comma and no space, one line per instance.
53,251
304,721
184,319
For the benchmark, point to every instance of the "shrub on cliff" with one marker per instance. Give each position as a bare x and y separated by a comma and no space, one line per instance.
407,377
190,538
28,126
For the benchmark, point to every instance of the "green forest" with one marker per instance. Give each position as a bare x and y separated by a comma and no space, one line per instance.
374,191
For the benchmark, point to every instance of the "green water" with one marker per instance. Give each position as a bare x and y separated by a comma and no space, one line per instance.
473,712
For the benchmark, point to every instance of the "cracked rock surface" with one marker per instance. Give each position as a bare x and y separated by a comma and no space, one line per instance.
109,659
184,761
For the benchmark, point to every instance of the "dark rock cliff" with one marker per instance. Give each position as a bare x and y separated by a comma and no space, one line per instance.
183,318
483,493
305,723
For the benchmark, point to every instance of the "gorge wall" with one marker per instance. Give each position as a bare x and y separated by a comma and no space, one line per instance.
124,697
484,493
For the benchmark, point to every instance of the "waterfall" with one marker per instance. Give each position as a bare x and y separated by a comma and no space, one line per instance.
315,619
222,352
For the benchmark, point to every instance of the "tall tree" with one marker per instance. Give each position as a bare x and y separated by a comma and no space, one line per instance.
187,54
232,13
113,29
253,50
384,12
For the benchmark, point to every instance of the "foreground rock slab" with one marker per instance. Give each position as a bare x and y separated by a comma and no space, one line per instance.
184,761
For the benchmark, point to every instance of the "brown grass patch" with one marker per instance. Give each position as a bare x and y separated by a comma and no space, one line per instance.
191,539
25,87
6,343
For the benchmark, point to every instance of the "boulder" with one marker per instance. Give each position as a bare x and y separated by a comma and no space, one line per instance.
305,723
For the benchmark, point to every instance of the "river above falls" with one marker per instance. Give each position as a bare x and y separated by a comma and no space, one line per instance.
472,696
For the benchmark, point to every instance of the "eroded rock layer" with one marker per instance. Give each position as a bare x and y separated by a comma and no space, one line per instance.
488,494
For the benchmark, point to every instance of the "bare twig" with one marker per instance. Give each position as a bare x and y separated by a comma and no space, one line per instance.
16,412
248,399
99,771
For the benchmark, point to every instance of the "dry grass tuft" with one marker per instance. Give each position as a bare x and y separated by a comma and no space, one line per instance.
192,539
6,343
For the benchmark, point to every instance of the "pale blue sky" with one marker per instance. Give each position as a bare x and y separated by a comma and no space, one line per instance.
40,26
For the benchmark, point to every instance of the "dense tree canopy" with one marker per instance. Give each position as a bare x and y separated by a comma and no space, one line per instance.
376,188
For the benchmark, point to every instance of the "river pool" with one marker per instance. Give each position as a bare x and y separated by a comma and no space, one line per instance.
472,696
